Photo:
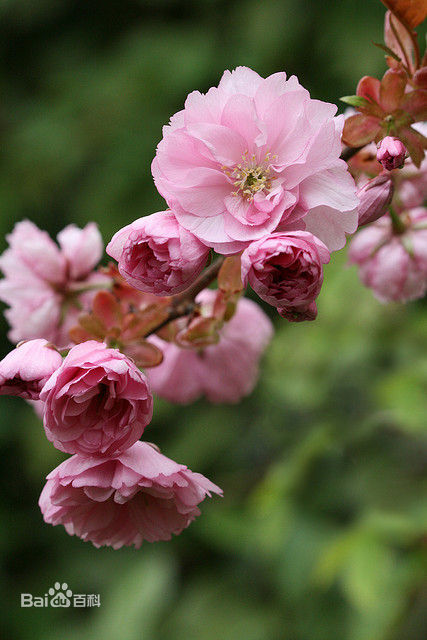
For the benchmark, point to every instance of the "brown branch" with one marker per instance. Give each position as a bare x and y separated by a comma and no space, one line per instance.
183,303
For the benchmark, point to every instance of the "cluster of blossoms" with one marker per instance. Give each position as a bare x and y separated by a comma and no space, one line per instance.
390,169
253,170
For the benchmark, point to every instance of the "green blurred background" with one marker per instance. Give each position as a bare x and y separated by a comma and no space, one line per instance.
321,531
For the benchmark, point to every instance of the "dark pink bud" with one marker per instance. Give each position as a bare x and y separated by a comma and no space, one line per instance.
391,153
375,198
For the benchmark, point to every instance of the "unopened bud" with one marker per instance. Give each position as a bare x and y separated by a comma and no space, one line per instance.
375,198
391,153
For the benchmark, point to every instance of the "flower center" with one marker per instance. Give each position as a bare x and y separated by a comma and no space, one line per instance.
250,176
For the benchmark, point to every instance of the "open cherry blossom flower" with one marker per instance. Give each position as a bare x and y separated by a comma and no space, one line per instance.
42,281
393,265
253,154
222,372
122,501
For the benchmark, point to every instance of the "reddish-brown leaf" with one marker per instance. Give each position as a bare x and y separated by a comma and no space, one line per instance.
415,142
106,307
78,335
420,78
229,276
144,354
392,89
397,38
410,12
201,332
360,129
93,326
415,103
369,88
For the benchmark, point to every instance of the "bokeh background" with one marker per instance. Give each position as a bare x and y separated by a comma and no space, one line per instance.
321,532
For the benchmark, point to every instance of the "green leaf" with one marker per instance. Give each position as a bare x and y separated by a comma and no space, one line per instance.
356,101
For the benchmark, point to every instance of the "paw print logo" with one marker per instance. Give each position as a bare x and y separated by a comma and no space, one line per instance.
60,595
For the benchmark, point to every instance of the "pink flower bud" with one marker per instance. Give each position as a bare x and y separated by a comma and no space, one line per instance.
375,197
97,403
285,269
157,255
24,371
122,501
391,153
393,265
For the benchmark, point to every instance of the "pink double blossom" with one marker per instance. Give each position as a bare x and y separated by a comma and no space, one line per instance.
285,270
393,265
97,403
24,371
222,372
122,501
42,280
157,255
254,154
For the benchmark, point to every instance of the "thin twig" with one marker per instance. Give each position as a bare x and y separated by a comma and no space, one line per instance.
183,303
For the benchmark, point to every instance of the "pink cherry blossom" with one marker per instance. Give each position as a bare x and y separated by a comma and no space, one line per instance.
24,371
122,501
285,270
412,182
253,154
391,153
41,280
393,265
97,403
223,372
157,255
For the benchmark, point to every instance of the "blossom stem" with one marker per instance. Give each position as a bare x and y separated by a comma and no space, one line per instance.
183,304
397,222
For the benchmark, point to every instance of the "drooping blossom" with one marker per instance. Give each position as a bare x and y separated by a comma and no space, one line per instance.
157,255
285,270
97,403
391,153
253,154
222,372
393,265
24,371
42,281
375,197
122,501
